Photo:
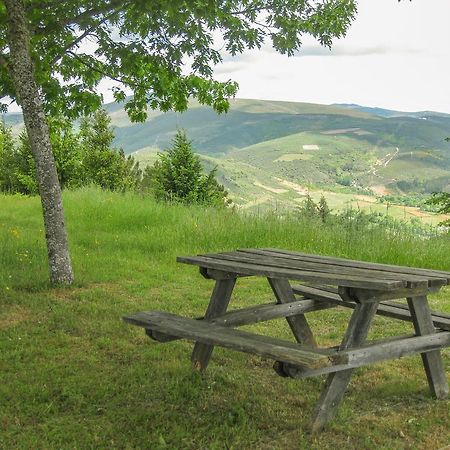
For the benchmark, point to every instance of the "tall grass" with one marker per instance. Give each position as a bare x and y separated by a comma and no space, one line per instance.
114,235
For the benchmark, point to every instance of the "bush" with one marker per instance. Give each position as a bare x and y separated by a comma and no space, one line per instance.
442,201
310,209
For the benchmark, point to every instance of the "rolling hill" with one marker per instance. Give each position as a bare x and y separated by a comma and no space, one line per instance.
320,146
273,152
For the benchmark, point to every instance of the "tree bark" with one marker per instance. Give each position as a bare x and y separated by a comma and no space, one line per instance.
22,71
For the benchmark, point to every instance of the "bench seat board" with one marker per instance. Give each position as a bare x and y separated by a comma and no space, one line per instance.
381,351
254,314
207,333
389,309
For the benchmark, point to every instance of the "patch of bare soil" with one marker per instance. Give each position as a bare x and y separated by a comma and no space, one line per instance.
380,189
269,188
301,190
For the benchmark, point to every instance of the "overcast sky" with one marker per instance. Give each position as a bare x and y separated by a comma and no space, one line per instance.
396,55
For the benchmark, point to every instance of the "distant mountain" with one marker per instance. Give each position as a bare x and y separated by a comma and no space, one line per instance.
382,112
250,122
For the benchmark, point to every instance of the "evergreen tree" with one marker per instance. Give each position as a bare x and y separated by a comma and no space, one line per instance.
178,175
80,158
308,208
68,153
102,163
323,209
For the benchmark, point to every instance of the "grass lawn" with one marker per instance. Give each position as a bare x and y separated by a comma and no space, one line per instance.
73,375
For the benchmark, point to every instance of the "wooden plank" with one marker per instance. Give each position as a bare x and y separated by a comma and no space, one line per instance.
261,313
434,313
254,314
432,361
212,334
334,390
316,292
218,304
384,308
211,274
363,264
376,352
298,324
274,272
280,260
370,295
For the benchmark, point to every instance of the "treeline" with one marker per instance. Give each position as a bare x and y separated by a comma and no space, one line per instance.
84,156
87,156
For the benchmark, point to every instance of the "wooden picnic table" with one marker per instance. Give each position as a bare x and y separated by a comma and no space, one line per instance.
324,282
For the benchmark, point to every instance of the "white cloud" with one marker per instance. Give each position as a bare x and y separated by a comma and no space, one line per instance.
395,55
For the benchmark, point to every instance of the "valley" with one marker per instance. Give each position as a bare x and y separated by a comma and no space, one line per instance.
271,154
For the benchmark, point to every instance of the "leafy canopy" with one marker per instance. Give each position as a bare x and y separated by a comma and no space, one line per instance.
164,51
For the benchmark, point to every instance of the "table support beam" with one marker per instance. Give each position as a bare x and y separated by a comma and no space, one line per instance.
432,361
220,298
336,383
298,323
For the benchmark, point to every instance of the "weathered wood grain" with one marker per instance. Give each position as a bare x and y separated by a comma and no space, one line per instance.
218,304
334,389
260,313
434,313
432,361
371,295
213,334
254,314
298,324
294,274
280,260
374,352
387,309
363,264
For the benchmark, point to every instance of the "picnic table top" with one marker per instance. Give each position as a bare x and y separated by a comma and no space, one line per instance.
276,263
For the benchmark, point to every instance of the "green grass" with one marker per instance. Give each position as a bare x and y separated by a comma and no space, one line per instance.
73,375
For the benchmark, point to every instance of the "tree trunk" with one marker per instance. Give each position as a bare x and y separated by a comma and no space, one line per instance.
21,68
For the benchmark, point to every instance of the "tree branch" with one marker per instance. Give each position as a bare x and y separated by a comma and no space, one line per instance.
112,7
83,35
96,69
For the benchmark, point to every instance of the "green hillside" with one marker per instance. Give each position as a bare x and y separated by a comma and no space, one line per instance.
270,153
350,147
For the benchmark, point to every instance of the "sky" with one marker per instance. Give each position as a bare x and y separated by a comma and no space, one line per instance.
396,55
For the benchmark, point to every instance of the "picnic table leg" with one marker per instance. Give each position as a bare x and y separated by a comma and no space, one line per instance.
218,304
334,389
299,325
432,361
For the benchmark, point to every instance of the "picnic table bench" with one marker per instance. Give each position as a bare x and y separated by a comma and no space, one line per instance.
367,288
